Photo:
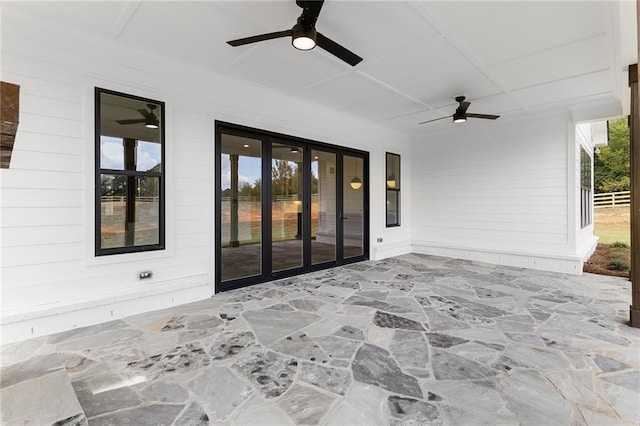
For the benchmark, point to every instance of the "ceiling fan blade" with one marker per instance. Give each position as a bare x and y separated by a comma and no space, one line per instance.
486,116
464,106
257,38
146,114
436,119
310,10
134,121
337,50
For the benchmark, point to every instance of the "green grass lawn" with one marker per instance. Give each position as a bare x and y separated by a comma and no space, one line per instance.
613,224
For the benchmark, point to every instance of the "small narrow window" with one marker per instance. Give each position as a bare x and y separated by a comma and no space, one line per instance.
393,189
586,198
129,167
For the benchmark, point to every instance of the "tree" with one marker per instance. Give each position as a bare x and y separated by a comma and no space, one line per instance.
282,178
613,164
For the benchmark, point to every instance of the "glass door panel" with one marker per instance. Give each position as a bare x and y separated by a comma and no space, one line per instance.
241,207
287,182
323,206
353,188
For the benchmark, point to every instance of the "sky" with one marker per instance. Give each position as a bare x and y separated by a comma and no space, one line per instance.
112,154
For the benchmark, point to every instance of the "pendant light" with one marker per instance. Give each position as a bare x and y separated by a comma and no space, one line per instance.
356,182
391,181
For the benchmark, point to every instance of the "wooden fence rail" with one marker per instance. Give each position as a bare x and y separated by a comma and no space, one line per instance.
612,199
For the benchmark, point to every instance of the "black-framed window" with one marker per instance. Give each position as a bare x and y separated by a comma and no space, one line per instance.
393,189
586,197
129,173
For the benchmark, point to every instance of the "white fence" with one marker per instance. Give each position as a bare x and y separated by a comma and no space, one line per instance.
612,199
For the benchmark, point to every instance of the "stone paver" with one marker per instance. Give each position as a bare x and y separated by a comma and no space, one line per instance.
412,339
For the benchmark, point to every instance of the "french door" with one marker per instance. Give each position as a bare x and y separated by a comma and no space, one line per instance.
285,206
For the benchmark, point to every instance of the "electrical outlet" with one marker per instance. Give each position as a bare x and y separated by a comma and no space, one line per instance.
145,275
379,239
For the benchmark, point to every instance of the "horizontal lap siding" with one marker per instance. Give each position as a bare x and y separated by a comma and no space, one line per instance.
507,190
46,198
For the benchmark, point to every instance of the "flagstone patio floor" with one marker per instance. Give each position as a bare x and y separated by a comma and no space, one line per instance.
412,339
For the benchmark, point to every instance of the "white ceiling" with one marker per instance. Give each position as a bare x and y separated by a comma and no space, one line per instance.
508,57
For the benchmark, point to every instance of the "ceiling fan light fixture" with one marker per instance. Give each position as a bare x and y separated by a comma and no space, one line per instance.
459,118
152,124
303,37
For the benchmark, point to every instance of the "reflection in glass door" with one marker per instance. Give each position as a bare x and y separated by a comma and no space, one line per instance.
353,198
285,206
287,182
241,207
323,206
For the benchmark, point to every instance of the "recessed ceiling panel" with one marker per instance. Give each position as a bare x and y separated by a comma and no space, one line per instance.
346,89
386,107
473,85
372,28
192,31
278,65
566,61
576,89
452,13
97,17
420,64
530,27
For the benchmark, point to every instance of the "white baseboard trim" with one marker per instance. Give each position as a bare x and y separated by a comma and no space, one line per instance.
553,262
55,318
385,250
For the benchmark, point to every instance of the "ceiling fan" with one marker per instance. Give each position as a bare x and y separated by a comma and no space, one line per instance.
150,119
304,35
461,114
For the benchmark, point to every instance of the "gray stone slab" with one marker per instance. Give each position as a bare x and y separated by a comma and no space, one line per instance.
166,392
301,346
101,394
439,340
305,405
227,345
268,372
377,304
42,400
374,365
157,414
628,380
410,349
350,333
332,379
180,359
30,369
194,415
220,391
608,365
383,319
337,347
448,366
269,325
412,411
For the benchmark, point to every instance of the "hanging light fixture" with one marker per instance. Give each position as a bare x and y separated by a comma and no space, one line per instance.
356,182
391,181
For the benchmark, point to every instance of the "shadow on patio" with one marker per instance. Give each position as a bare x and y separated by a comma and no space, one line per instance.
407,340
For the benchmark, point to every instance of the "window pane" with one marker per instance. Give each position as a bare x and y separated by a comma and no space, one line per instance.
286,206
129,147
241,226
393,171
392,207
147,208
323,206
149,157
353,188
111,153
113,202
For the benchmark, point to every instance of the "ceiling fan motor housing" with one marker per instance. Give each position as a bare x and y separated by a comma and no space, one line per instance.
302,30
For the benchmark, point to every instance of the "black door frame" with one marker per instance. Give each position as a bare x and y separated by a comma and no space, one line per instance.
267,138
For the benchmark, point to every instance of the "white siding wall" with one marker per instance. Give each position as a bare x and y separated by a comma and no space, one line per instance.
497,192
50,278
